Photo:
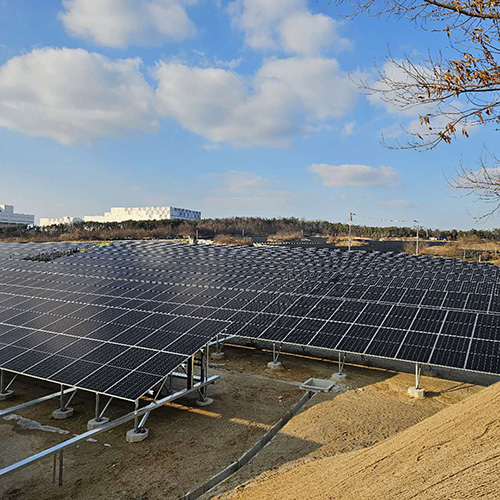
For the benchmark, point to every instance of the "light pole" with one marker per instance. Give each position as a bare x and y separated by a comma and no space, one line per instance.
350,226
418,231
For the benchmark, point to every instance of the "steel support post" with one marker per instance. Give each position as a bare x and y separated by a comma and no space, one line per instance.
341,363
54,467
136,418
97,415
418,371
4,389
61,399
190,372
61,459
203,390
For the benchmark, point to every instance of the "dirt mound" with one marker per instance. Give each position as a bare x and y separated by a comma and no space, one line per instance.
455,454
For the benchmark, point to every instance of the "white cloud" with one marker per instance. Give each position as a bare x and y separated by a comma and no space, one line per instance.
235,181
211,147
286,96
74,96
307,34
385,97
285,25
355,175
398,204
260,19
120,23
348,128
246,193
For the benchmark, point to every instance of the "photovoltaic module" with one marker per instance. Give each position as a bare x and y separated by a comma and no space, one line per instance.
118,319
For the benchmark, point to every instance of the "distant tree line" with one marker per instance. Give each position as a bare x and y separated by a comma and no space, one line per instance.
233,226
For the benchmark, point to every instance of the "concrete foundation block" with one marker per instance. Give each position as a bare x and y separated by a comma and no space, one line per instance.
417,393
275,365
94,424
6,395
134,436
338,377
204,402
62,413
217,355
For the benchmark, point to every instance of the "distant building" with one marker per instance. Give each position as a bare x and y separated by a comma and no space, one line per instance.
121,214
59,220
9,218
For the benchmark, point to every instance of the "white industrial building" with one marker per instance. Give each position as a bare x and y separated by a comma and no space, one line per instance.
9,218
121,214
55,221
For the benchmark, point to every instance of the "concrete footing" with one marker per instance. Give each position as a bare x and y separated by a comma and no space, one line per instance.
134,436
275,365
62,413
94,424
217,355
416,392
338,377
6,395
204,402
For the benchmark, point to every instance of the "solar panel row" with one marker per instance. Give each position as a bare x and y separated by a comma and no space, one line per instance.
153,298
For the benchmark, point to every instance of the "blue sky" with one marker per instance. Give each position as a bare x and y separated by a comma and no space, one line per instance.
244,107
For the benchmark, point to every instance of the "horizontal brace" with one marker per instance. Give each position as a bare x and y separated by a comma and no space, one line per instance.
184,376
106,427
33,402
221,340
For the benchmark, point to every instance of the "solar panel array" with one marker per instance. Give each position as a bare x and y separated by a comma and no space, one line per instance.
104,315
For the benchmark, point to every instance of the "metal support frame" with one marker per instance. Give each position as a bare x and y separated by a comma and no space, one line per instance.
97,397
204,357
54,469
341,363
190,373
137,427
219,340
106,427
418,372
33,402
276,353
99,419
4,388
218,345
62,406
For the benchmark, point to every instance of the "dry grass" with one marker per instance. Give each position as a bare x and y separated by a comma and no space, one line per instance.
470,248
282,236
343,241
227,239
475,243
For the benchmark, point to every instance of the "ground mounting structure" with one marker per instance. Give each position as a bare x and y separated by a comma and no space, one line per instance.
118,320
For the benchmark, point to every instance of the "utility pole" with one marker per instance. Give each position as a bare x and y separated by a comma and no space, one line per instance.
418,231
350,229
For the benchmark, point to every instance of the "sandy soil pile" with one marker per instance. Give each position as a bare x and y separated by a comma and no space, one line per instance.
454,454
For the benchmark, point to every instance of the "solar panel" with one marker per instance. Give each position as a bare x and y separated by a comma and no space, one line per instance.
102,312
